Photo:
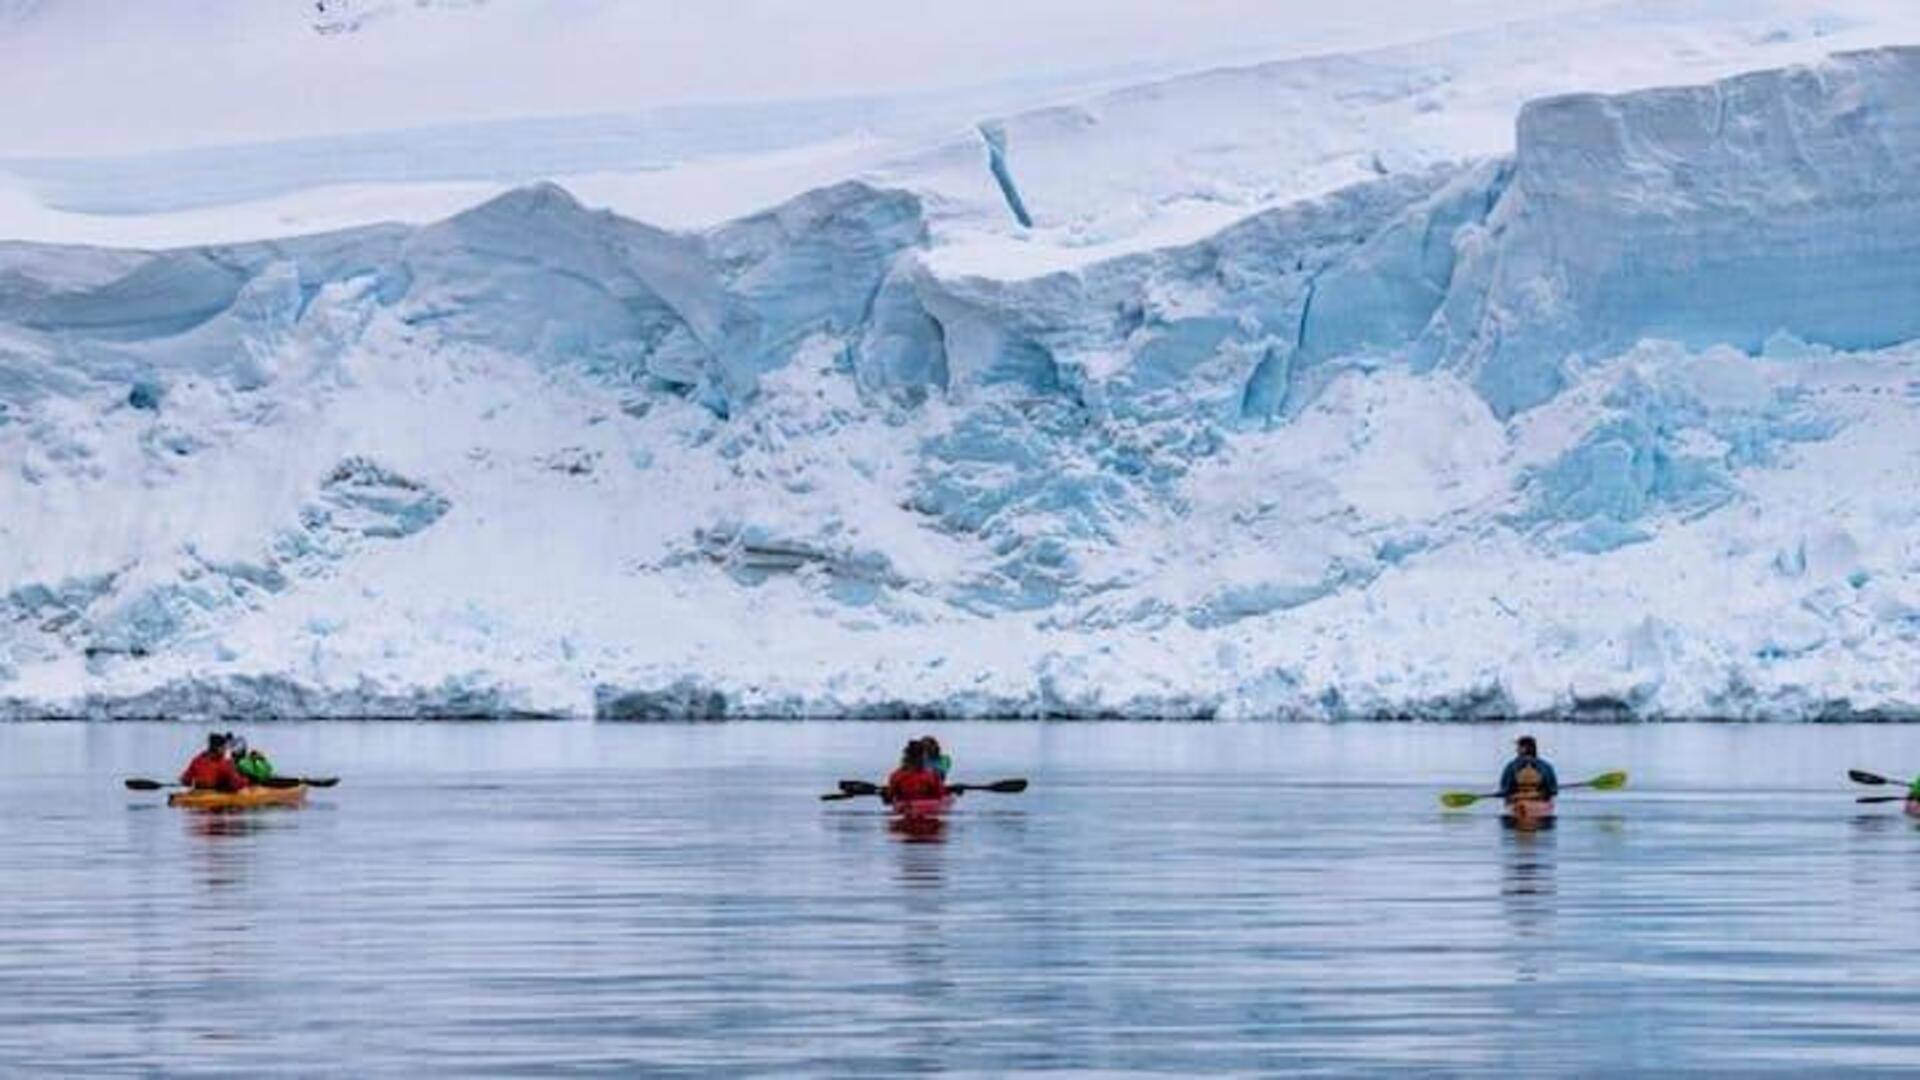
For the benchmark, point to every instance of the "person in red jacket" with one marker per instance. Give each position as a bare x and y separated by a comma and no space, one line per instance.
915,778
213,770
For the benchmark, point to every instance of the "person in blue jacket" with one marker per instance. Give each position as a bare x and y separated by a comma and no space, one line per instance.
937,761
1528,775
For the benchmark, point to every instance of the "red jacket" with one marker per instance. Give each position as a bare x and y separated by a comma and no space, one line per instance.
908,783
212,772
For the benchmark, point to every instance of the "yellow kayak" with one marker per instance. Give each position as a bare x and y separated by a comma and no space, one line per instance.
239,800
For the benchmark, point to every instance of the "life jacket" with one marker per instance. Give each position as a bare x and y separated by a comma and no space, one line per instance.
1526,782
254,766
212,772
915,784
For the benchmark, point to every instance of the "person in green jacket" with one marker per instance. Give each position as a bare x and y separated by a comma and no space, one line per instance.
251,762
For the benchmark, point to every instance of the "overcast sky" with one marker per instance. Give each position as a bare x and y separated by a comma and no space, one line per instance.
107,74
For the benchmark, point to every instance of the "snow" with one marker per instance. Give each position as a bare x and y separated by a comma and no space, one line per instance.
113,78
1430,397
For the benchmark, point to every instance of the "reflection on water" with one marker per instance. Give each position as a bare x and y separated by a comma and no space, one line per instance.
919,864
218,855
1529,895
214,824
919,830
1528,865
1883,821
479,900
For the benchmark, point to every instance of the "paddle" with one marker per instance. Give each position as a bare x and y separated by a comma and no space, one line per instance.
998,787
1880,798
853,789
137,783
1861,776
1612,781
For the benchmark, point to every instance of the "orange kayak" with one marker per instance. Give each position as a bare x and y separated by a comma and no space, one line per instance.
245,799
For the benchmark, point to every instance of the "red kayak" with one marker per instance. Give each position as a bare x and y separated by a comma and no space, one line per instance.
920,820
922,808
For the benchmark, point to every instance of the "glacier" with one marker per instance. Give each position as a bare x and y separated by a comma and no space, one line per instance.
1620,423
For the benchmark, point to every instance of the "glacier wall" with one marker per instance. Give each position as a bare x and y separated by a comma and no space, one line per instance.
1781,202
1777,202
1432,441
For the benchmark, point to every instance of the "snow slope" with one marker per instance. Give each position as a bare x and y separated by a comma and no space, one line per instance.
1621,422
151,117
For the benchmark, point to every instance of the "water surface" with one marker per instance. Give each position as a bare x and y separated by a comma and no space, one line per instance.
1185,898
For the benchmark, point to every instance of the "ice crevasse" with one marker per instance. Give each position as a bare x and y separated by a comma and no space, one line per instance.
1622,424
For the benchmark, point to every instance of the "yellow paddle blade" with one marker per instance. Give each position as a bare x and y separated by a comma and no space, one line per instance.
1609,781
1458,799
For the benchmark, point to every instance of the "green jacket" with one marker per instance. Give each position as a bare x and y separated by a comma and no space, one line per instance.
254,766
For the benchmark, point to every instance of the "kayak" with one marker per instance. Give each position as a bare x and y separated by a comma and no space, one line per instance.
245,799
924,809
1913,807
920,819
1529,813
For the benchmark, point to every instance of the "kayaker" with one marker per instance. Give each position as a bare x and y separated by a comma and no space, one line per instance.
212,769
914,779
251,761
1528,776
936,760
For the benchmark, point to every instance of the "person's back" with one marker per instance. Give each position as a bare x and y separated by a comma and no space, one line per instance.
921,783
210,770
913,780
1528,775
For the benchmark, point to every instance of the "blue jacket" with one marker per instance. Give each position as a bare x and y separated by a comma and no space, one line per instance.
1510,777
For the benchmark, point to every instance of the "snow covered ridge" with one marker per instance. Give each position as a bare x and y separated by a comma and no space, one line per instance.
1622,425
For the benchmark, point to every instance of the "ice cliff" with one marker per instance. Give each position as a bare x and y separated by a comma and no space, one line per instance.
1621,424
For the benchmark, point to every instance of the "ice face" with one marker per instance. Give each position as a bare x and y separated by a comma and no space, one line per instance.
1778,202
1622,422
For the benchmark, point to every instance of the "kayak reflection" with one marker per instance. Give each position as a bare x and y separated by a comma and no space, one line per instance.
920,864
218,826
1529,899
221,857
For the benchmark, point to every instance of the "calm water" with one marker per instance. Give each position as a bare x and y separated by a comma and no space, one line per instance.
1186,898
